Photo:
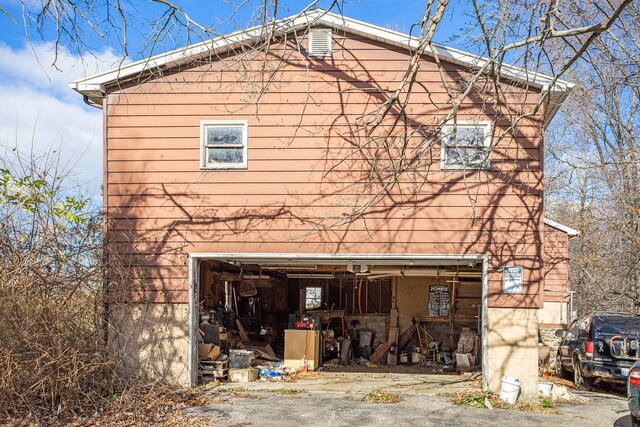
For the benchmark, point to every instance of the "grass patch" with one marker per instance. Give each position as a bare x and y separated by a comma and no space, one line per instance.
475,399
232,390
489,400
378,396
238,394
546,402
283,390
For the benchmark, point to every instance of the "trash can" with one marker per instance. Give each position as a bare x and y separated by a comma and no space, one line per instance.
365,337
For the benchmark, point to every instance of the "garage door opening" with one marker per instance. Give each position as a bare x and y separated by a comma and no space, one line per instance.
336,314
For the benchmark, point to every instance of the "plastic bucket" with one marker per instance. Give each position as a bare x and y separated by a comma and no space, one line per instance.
509,390
544,389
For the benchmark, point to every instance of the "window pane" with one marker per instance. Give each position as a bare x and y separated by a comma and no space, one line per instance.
473,157
469,136
313,297
224,135
224,155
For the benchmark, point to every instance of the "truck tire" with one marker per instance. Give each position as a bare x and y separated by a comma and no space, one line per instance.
560,372
582,383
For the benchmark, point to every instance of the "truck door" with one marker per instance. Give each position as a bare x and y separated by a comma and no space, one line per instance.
568,344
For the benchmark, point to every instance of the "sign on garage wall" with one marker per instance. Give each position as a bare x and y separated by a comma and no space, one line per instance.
439,300
513,279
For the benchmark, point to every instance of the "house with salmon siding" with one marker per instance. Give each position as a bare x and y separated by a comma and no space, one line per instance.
257,181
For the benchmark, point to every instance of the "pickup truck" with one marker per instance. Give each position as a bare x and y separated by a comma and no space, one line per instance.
602,345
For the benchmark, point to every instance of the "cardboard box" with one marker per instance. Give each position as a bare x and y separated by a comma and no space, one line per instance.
243,375
299,345
208,351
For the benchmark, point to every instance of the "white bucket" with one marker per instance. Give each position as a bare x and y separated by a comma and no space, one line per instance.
509,390
544,389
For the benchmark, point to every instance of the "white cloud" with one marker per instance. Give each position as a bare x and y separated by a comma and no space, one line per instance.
39,112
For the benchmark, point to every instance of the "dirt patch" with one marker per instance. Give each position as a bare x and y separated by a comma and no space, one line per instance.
619,389
558,381
384,369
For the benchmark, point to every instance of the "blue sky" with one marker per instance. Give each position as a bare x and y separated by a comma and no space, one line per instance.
39,112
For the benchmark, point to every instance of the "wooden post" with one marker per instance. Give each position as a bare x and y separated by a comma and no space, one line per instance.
452,307
366,296
353,299
346,297
392,359
394,292
476,343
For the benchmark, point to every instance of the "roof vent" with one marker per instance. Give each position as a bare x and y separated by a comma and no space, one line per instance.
320,42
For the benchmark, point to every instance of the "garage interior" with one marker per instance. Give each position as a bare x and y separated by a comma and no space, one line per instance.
269,318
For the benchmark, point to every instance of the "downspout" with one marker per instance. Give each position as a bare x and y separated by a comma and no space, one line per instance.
90,103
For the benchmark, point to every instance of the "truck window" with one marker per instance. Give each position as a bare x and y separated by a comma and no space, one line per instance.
627,325
573,330
583,329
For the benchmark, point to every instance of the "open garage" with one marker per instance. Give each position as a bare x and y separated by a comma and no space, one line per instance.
297,311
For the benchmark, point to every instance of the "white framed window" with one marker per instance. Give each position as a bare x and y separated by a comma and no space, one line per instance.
465,145
223,144
312,297
319,42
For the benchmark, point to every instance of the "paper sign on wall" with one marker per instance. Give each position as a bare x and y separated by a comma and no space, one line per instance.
439,300
513,279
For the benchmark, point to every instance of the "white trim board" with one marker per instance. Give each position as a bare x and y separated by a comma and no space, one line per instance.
570,231
93,86
293,259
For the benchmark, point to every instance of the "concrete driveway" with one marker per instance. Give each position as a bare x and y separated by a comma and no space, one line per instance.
357,382
335,399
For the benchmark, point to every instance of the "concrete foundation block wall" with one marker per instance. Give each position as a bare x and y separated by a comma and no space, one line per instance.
377,322
548,337
152,339
513,347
